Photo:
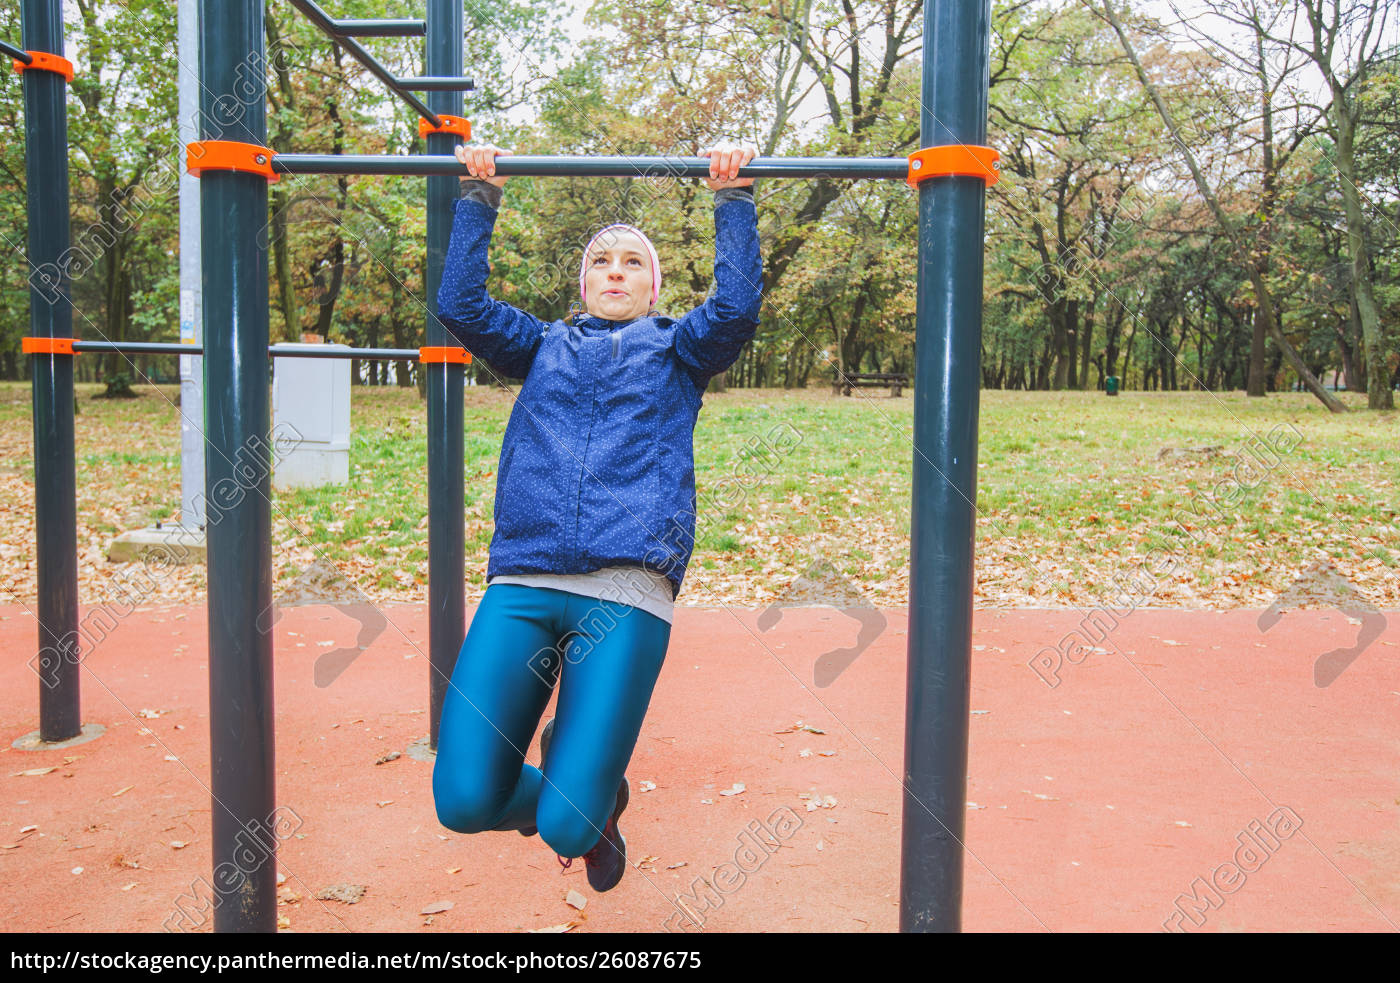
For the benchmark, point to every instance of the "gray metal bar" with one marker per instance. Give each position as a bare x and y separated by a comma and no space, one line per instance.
172,348
947,346
326,24
364,354
51,316
238,467
19,54
889,168
379,28
436,83
447,615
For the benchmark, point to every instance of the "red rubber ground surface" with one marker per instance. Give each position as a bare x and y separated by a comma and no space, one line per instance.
1097,802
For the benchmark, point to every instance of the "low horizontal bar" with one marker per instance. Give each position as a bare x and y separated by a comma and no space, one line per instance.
175,348
367,354
892,168
436,83
138,347
18,54
380,28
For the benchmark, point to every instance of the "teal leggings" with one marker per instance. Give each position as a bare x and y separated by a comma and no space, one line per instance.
605,656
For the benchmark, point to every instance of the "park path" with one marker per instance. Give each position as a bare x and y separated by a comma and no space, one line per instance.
1193,745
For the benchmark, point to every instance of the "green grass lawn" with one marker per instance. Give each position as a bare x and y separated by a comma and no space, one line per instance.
1072,489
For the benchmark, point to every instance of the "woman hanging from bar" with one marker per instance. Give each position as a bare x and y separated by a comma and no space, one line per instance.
595,517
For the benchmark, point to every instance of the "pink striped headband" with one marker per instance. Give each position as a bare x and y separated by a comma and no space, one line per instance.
651,251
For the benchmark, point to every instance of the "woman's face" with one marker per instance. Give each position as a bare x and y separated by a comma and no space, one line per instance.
617,279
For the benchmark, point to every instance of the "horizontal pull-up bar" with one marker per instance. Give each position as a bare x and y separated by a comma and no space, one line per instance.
380,28
895,168
18,54
436,83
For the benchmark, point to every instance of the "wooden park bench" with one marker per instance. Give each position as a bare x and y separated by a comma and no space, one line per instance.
896,381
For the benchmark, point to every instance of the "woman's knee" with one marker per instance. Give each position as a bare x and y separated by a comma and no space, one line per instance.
465,806
568,831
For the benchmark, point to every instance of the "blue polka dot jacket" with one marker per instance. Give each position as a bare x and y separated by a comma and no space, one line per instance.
597,466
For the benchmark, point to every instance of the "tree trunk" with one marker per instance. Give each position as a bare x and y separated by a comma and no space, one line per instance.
1378,392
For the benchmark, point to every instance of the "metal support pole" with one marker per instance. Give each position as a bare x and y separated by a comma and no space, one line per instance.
51,316
446,491
237,466
948,342
191,365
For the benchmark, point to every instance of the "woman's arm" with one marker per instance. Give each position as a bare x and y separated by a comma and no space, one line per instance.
709,338
503,335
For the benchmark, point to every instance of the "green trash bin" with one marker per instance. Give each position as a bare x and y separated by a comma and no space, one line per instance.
1110,385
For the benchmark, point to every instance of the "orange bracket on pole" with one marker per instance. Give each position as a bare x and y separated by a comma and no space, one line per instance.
434,353
955,160
229,155
48,62
450,124
47,346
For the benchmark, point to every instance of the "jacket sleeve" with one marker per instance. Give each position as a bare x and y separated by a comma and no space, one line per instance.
503,335
709,338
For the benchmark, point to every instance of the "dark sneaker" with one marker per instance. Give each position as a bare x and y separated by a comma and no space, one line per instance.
545,736
607,861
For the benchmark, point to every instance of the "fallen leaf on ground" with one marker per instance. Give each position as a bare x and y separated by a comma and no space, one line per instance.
552,930
28,829
386,802
284,922
646,786
178,844
391,756
437,908
454,870
34,772
575,900
128,887
736,789
151,714
675,866
121,791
